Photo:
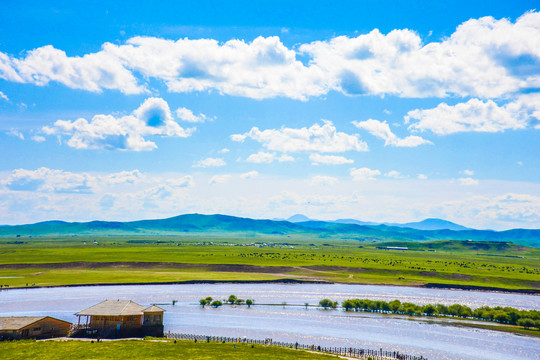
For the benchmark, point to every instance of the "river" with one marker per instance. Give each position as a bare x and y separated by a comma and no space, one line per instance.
432,339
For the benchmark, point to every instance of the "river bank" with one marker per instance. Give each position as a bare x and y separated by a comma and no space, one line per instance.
291,281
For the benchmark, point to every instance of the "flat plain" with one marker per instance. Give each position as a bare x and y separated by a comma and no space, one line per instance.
79,260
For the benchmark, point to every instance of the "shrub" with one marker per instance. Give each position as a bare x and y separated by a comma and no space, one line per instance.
327,303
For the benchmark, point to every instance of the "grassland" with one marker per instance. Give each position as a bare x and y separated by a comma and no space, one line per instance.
56,261
140,349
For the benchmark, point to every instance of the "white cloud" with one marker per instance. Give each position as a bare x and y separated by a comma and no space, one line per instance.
323,180
329,159
381,129
317,138
224,151
124,177
485,58
506,210
468,172
48,180
393,174
476,115
93,72
210,162
421,177
3,96
152,118
266,158
238,137
468,181
285,158
364,173
250,175
187,115
60,181
181,182
219,179
38,138
15,133
261,158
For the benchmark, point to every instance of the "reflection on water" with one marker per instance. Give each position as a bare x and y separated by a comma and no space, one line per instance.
308,326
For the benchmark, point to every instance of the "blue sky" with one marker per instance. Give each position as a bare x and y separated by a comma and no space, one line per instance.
374,110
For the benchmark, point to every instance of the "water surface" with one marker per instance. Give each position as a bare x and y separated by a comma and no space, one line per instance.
296,323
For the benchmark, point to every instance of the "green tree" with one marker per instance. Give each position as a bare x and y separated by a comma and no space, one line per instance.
203,302
395,305
239,301
501,317
232,299
348,305
216,303
327,303
429,310
526,323
249,302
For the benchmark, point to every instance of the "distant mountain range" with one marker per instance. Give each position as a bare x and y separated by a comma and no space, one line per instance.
427,224
223,225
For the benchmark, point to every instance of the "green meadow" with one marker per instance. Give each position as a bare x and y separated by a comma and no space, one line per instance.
56,261
144,349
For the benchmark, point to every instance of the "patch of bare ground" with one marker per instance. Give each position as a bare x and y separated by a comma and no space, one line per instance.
464,277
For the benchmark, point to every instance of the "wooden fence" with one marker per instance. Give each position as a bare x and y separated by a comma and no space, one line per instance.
345,351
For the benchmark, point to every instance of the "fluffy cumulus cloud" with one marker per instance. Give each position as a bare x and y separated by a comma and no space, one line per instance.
477,115
317,138
60,181
363,174
250,175
210,162
188,116
381,129
484,58
93,72
48,180
152,118
266,158
393,174
329,159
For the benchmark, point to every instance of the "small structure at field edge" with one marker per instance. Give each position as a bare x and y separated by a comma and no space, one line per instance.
32,327
117,319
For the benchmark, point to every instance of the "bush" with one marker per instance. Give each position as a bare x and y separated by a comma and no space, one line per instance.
526,323
327,303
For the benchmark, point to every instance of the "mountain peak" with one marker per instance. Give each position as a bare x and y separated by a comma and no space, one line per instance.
298,218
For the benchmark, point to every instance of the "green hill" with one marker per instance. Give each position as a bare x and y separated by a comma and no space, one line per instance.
223,225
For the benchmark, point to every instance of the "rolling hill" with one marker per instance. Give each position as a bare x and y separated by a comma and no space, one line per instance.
223,225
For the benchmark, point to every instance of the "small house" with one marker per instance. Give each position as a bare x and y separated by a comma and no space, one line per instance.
32,327
116,318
